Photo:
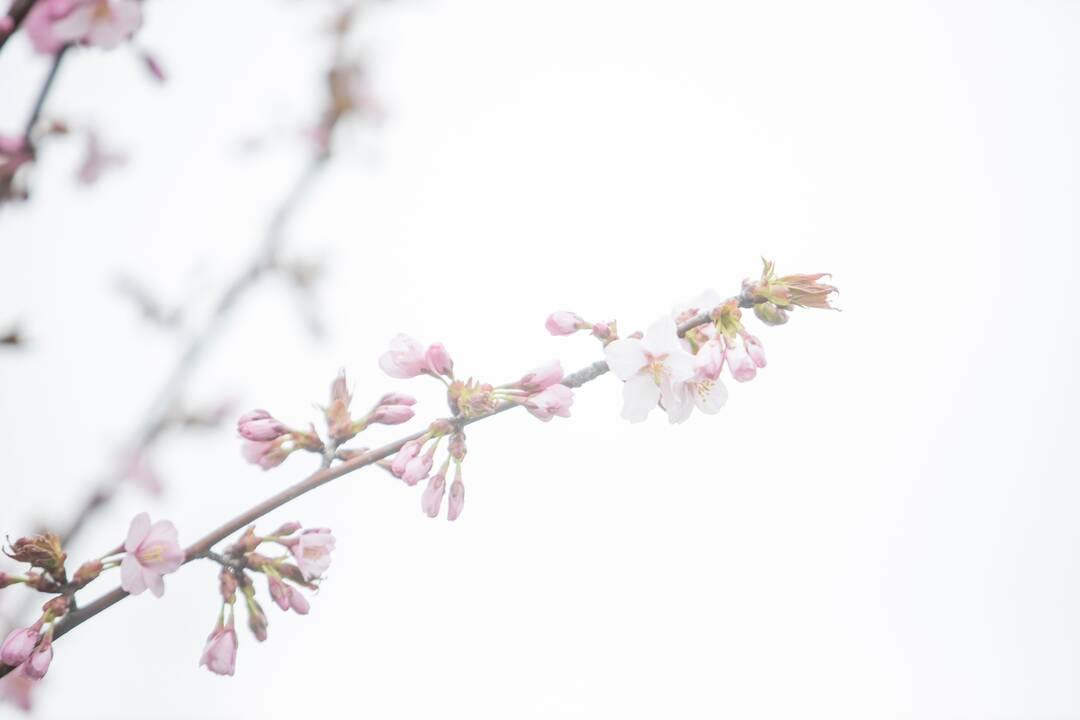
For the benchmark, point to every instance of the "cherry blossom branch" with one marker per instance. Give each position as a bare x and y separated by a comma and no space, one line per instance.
675,365
202,547
43,94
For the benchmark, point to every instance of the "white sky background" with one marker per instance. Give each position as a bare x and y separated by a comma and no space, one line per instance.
882,524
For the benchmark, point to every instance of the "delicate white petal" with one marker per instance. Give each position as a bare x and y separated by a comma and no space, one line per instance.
640,395
131,575
679,365
661,338
681,405
625,357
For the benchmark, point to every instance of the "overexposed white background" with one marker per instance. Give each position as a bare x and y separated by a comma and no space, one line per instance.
882,524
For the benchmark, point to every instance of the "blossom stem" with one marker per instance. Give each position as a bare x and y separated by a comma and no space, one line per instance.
202,548
43,94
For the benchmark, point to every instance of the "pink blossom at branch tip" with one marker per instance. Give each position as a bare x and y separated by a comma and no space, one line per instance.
404,456
542,377
219,655
457,497
651,368
261,426
18,645
740,364
418,468
564,323
755,350
438,360
17,688
552,401
40,659
312,552
392,414
406,358
153,551
431,500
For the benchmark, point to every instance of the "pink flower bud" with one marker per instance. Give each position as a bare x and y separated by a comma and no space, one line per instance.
564,323
298,602
418,468
287,529
404,456
457,497
709,360
18,645
555,400
39,661
392,414
279,592
266,455
397,399
755,350
431,500
219,655
405,358
438,360
16,688
542,377
741,366
261,426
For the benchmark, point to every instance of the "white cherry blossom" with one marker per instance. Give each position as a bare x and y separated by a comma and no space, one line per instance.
651,369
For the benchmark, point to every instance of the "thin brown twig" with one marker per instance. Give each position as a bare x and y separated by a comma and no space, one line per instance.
202,547
17,13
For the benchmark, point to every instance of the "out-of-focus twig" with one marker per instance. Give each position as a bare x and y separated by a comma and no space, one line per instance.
11,22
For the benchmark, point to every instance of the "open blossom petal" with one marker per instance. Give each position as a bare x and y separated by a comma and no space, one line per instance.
312,552
640,395
661,337
152,551
555,400
406,358
626,357
219,655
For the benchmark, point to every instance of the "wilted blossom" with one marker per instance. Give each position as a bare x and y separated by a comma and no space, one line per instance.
651,369
565,323
261,426
551,401
52,24
153,551
219,655
312,550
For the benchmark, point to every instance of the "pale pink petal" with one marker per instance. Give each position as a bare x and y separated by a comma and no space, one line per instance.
679,365
640,395
625,357
679,404
131,575
154,581
137,531
710,396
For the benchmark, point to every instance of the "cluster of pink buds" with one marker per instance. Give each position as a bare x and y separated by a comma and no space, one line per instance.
268,441
541,392
150,551
302,565
52,24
